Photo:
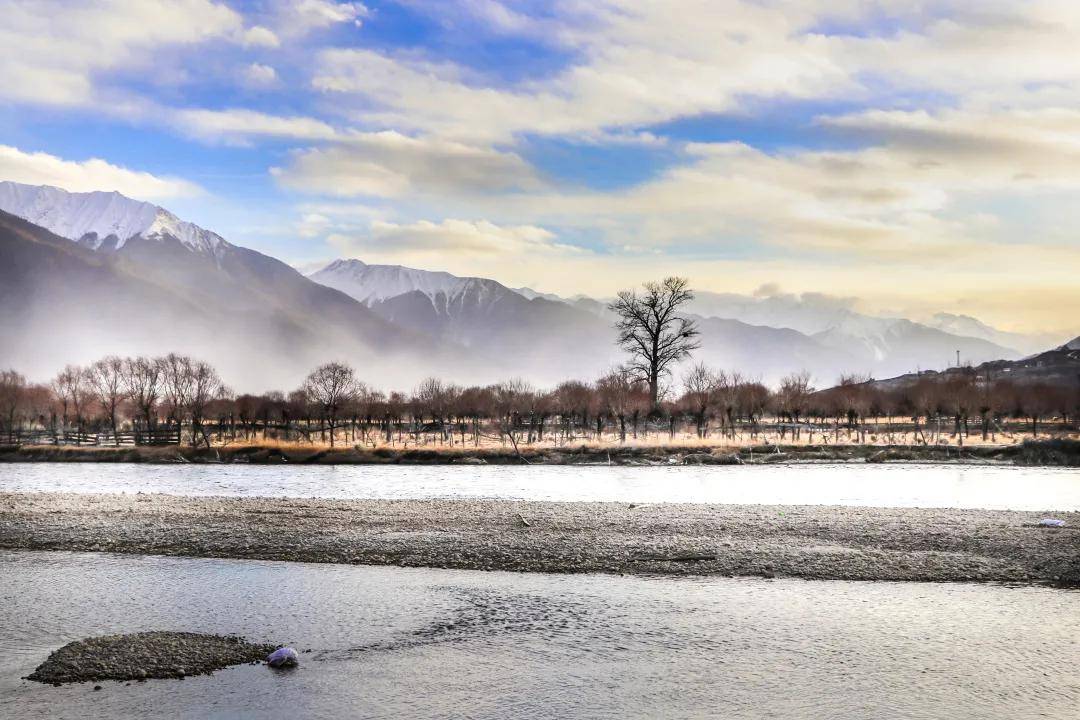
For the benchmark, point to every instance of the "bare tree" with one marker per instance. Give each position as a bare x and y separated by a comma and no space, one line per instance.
615,391
508,398
12,397
176,377
699,385
142,383
652,331
203,387
331,386
106,377
791,401
72,387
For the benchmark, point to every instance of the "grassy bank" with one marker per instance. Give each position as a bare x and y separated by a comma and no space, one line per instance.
1058,452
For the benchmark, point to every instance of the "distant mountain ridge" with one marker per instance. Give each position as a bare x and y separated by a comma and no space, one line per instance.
103,220
371,284
261,320
830,337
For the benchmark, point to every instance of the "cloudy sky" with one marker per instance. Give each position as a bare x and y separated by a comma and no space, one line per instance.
920,156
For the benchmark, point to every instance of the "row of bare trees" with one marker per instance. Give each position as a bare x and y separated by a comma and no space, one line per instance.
180,393
142,392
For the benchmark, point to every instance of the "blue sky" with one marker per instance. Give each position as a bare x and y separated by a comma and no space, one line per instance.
919,156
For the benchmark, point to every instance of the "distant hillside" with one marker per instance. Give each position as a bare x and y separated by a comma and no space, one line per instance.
1060,366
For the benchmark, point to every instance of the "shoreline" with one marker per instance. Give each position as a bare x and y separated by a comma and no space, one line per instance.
1052,452
800,541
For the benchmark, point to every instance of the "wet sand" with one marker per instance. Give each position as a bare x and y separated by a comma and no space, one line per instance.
808,541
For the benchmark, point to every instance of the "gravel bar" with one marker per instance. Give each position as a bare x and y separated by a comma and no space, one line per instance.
806,541
139,656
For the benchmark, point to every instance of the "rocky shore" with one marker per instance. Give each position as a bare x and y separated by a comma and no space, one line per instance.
1054,452
813,542
144,655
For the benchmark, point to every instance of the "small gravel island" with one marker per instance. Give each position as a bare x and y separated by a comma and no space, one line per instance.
144,655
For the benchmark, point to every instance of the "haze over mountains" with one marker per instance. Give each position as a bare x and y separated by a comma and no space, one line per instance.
137,280
759,337
85,274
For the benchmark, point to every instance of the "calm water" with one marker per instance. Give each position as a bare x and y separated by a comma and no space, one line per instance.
406,643
867,485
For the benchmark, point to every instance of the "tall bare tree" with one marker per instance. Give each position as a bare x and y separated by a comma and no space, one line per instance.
12,398
176,377
72,387
652,330
106,378
203,385
331,386
142,382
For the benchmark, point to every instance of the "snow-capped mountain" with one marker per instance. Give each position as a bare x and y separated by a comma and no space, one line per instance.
240,303
371,284
968,326
102,220
225,300
535,337
892,346
808,313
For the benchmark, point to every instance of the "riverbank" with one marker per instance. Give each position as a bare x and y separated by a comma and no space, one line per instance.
812,542
1056,452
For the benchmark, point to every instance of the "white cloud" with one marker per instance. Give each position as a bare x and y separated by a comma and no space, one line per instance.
259,36
238,125
55,52
299,17
459,238
88,175
641,63
52,52
633,63
389,164
259,75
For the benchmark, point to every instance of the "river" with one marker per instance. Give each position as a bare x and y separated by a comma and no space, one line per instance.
868,485
412,643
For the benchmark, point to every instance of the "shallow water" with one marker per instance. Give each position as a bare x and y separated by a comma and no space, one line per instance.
1017,488
415,643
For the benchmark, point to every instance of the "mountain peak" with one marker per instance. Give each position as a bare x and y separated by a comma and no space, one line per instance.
370,284
102,220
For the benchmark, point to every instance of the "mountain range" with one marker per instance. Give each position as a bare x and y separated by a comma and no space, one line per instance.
85,274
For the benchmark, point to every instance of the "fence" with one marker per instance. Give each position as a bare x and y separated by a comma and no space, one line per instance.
129,438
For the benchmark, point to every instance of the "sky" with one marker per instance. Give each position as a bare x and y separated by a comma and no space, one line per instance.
920,156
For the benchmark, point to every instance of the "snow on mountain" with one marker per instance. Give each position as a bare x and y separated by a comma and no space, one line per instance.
373,284
1073,344
892,346
102,220
808,313
970,327
874,336
530,294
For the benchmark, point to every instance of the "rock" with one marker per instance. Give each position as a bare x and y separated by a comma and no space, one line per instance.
283,657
